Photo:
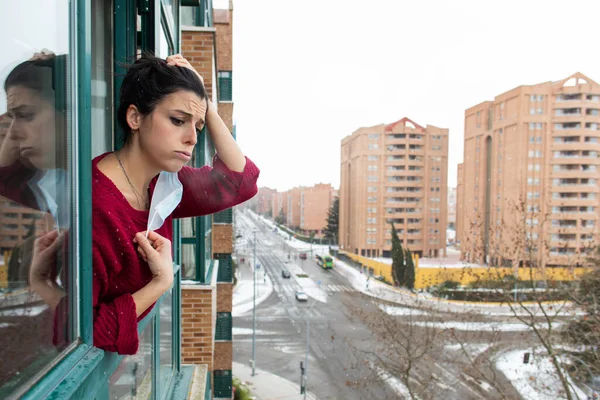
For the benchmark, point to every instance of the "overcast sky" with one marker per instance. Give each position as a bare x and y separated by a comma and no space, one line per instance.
307,74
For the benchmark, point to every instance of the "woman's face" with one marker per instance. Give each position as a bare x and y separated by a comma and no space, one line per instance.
168,135
32,126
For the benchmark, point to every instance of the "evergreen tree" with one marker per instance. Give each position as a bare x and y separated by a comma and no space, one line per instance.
398,268
280,219
333,220
409,278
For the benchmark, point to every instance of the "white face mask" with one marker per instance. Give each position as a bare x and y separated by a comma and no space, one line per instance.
167,195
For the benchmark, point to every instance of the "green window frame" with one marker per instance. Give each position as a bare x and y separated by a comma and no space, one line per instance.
225,80
223,327
225,273
82,371
224,217
223,383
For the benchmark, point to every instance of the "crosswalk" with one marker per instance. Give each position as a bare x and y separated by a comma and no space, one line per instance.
291,288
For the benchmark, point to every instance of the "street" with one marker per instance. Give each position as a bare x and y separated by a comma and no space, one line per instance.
342,344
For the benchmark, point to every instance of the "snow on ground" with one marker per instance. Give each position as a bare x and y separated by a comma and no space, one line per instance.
401,311
537,380
394,383
248,331
472,349
243,294
482,326
293,242
309,286
404,297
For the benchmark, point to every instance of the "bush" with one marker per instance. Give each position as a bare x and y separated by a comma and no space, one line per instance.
449,285
241,391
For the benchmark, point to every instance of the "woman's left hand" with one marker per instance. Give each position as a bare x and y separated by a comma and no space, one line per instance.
46,249
180,61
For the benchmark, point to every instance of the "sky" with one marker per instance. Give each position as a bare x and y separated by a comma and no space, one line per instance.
307,74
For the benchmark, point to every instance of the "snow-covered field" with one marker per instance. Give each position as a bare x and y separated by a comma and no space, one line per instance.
537,380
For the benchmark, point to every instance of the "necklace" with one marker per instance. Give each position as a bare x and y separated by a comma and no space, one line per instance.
138,197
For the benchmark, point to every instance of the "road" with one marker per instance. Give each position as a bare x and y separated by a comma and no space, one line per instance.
337,336
281,326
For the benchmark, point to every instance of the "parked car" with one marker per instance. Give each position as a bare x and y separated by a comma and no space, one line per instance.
286,274
301,296
303,256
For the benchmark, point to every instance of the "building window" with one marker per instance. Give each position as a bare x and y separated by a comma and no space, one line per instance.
225,86
373,146
373,158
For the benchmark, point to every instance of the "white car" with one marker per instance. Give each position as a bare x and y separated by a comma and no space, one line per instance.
301,296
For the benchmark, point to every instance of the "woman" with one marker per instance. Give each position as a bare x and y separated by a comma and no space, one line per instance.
163,107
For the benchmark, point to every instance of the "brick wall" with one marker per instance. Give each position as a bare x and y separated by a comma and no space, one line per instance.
226,114
197,325
224,297
224,43
223,355
198,48
222,239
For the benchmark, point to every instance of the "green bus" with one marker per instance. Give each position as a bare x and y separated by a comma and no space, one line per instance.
325,262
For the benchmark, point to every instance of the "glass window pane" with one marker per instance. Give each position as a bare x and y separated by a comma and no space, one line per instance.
36,320
164,48
102,83
133,377
188,261
166,339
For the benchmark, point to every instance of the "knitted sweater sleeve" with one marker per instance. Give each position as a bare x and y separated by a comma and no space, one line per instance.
208,190
14,181
115,320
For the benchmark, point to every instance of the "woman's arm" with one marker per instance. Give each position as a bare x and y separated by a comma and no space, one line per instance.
226,147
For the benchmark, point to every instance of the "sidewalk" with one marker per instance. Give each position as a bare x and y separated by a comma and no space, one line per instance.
267,386
243,293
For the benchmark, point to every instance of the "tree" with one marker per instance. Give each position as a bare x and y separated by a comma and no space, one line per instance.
280,219
398,268
409,273
333,219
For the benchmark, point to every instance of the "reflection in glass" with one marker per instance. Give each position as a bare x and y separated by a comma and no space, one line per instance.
188,261
166,338
133,378
35,191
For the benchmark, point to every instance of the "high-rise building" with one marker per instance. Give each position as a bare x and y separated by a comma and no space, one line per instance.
452,207
394,173
528,186
315,202
304,208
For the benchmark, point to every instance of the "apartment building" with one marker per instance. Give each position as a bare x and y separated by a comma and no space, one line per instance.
451,207
305,208
394,173
528,186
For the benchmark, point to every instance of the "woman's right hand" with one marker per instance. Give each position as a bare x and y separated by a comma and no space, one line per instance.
156,251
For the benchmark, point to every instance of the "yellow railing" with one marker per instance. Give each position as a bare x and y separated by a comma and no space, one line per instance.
426,277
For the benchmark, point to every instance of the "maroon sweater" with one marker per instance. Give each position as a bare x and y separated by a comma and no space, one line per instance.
118,269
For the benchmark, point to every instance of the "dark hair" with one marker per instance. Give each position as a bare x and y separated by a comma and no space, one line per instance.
41,76
148,81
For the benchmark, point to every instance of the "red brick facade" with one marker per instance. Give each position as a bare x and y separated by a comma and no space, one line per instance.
197,325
